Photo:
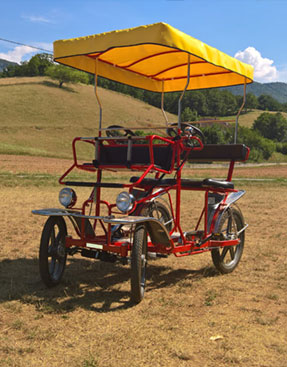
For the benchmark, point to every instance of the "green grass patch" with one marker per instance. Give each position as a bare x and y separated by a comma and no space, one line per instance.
12,149
24,179
278,158
8,179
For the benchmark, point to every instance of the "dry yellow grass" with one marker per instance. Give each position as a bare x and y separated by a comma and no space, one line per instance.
247,119
88,321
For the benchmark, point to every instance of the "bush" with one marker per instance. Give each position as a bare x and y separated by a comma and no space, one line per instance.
271,126
260,147
281,148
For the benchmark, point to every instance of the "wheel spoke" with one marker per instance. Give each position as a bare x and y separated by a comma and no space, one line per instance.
53,237
52,266
50,251
232,252
58,238
223,254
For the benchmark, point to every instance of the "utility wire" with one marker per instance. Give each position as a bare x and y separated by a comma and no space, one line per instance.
22,44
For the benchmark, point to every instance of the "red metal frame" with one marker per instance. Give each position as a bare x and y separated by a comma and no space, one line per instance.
180,245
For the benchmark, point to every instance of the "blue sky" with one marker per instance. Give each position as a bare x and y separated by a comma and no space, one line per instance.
255,31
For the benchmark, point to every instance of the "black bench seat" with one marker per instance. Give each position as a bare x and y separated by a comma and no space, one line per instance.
185,183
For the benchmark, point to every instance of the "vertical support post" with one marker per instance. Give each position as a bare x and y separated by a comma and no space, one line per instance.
183,92
98,99
240,109
162,104
230,171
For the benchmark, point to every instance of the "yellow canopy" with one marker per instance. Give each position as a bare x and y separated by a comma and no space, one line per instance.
152,57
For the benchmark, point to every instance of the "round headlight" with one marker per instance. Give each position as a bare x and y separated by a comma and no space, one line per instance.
67,197
125,202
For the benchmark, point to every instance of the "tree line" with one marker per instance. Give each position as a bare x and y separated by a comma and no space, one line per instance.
267,135
195,104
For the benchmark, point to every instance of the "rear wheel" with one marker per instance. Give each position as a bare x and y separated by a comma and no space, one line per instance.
227,258
52,254
138,263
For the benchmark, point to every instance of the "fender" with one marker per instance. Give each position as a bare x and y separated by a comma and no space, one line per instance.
232,198
156,230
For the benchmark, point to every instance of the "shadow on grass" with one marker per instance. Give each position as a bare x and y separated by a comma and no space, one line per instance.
46,83
95,286
51,84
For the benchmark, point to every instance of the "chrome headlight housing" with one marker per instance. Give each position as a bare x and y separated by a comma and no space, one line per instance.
67,197
125,202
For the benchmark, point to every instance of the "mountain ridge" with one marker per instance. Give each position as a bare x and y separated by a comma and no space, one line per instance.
277,90
5,63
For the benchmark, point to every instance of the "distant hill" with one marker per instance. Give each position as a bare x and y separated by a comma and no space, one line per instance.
276,90
39,118
5,63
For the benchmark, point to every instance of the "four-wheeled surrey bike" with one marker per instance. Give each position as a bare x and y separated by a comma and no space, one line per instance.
145,219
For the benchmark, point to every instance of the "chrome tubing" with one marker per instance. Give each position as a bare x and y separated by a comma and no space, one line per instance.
183,92
98,99
237,116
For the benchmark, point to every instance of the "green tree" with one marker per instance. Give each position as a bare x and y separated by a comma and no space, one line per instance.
271,126
268,103
260,147
217,134
38,64
196,100
189,115
64,74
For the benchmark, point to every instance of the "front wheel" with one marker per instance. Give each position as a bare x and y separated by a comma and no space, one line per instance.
138,264
227,258
52,254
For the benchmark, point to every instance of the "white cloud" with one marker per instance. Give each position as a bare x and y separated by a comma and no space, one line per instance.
36,19
264,70
17,54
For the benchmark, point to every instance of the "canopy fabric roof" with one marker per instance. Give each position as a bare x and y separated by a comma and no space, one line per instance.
153,57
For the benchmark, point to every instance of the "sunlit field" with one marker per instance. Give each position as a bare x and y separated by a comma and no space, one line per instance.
190,316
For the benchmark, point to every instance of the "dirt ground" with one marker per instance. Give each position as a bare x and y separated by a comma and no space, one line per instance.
30,164
190,316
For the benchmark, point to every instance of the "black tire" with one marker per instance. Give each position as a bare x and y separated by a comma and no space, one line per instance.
159,211
138,263
52,254
226,259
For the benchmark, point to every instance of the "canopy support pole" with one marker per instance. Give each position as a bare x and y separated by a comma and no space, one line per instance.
183,92
162,104
98,99
240,109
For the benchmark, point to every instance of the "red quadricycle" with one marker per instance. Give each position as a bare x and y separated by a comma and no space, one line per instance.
144,220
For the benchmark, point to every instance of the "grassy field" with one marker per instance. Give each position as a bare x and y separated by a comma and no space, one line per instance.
190,316
247,119
40,119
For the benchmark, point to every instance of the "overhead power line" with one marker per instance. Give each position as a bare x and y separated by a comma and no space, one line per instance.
23,44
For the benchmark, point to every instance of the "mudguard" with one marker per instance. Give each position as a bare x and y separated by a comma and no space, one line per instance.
232,198
156,230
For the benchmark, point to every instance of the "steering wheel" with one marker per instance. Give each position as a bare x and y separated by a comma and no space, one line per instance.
117,132
187,130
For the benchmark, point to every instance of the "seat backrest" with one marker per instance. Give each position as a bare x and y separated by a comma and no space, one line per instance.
117,155
220,152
